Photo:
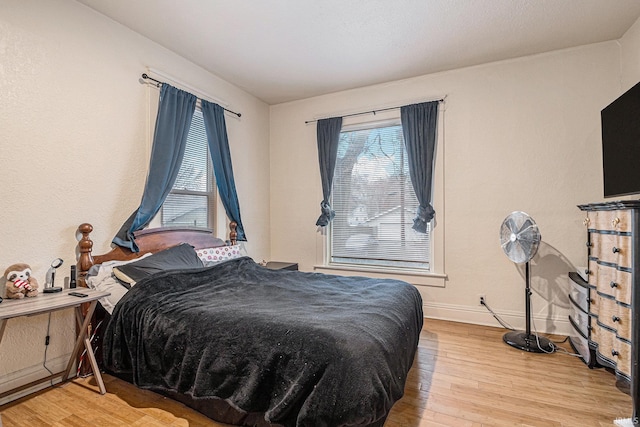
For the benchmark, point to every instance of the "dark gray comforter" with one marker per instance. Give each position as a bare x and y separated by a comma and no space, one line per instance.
306,349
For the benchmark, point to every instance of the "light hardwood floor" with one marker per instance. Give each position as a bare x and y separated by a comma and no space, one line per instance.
463,375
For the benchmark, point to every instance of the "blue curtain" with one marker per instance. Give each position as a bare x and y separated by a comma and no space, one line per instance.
173,121
419,122
216,128
328,135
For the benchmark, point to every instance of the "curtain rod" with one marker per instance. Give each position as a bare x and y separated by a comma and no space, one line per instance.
373,111
158,82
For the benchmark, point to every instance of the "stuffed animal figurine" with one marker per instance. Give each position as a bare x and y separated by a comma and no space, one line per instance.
20,282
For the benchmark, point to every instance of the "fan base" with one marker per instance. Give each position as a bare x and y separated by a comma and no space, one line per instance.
528,342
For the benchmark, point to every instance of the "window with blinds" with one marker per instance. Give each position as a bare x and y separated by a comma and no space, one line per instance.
374,202
191,202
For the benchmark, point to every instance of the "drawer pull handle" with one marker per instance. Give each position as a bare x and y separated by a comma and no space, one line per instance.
613,284
615,250
615,222
615,318
586,221
587,271
615,353
589,244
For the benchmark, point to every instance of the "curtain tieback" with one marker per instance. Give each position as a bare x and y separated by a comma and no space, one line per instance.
327,214
424,215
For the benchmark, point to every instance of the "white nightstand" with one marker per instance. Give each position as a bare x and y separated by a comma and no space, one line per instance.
47,303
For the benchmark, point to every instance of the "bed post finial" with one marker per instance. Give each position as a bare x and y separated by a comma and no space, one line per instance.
85,245
233,234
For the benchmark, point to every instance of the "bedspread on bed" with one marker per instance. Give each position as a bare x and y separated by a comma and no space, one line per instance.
307,349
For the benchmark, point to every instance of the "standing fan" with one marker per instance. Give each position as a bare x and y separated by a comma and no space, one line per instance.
520,238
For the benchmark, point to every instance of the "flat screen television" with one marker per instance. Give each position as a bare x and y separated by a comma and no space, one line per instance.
621,144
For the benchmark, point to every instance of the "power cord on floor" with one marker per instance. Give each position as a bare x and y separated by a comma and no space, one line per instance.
502,322
554,348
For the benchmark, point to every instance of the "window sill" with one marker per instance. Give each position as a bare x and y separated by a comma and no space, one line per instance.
417,278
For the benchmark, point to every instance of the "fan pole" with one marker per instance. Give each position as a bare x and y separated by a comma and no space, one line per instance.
526,340
527,298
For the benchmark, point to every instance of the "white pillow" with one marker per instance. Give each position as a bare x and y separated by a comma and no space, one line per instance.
211,256
104,280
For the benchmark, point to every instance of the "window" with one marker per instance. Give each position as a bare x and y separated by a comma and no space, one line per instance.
191,202
374,201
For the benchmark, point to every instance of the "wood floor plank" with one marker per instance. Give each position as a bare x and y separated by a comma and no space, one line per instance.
463,376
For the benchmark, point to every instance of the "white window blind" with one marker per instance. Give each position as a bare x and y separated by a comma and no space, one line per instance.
190,202
375,203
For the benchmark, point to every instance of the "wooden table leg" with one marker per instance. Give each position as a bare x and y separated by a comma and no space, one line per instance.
79,318
94,365
80,339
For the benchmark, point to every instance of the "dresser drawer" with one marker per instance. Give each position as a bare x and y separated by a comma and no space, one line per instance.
590,220
579,296
622,221
594,335
623,357
611,221
579,342
603,249
612,249
606,338
579,320
623,322
595,303
608,308
592,272
623,287
603,220
596,245
606,274
624,246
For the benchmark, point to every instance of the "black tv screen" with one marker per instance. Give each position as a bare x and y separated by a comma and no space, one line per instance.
621,144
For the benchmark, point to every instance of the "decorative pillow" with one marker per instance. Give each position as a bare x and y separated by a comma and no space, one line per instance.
211,256
177,257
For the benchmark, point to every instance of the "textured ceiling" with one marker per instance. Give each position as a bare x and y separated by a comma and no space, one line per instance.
283,50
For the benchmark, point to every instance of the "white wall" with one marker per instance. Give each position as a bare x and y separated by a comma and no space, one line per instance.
630,57
521,134
74,142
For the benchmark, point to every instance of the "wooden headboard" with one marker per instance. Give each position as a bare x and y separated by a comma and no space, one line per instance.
149,240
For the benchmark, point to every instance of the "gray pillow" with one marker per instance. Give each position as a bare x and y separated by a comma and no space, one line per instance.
175,258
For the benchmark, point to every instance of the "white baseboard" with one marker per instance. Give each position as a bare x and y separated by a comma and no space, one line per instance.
554,324
29,374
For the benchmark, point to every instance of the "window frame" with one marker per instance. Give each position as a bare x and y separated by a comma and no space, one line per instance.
394,122
216,217
436,277
211,194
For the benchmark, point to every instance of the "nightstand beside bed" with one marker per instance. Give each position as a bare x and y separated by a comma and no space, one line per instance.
279,265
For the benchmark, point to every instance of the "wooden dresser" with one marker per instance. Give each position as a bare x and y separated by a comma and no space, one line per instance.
614,289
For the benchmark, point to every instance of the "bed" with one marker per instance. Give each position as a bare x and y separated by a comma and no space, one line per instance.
246,345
